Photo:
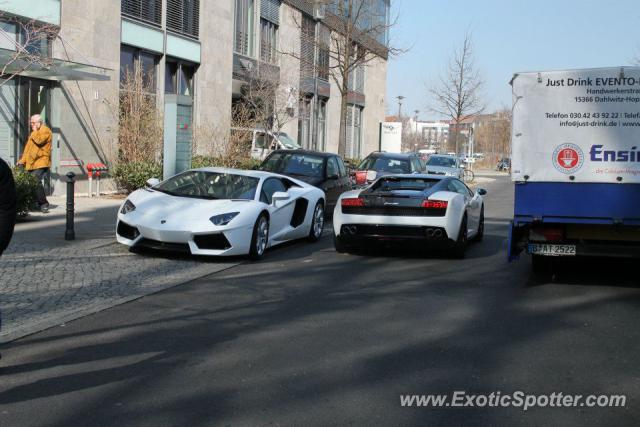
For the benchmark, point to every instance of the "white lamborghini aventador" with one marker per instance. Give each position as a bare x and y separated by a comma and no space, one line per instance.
216,211
432,210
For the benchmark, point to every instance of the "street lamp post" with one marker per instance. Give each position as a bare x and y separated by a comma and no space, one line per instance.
400,98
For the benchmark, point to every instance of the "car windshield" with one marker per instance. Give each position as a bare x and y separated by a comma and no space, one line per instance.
386,164
287,141
396,183
446,162
295,164
210,185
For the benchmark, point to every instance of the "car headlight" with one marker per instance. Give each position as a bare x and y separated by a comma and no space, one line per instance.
451,174
223,219
127,207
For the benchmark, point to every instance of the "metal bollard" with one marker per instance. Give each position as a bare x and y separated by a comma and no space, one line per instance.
70,233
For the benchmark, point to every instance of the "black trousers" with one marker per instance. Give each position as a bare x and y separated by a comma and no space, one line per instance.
43,175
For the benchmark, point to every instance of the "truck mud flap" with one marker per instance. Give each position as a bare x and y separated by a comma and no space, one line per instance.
513,250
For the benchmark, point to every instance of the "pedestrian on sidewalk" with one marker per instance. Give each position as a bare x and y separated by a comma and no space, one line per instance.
7,205
36,158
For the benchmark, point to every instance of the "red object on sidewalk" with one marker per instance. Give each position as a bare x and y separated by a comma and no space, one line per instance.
96,168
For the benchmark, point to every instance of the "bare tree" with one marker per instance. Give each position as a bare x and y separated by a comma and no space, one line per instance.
25,41
358,32
493,134
267,102
457,95
140,125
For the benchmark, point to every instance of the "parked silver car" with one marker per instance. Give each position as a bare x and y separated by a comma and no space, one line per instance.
440,164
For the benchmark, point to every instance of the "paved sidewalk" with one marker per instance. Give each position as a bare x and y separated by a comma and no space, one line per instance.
46,281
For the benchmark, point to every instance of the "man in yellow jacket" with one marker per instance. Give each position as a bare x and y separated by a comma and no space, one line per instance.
36,157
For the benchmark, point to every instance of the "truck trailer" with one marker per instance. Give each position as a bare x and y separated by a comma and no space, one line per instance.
575,142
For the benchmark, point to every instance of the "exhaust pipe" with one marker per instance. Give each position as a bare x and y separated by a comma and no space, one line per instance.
349,230
430,232
437,234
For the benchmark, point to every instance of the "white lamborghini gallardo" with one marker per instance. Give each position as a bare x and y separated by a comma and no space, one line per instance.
432,210
217,211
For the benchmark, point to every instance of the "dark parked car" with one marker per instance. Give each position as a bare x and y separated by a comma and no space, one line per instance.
324,170
379,163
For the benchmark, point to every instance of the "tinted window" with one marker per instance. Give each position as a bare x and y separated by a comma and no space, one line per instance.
332,167
417,167
448,162
341,168
170,76
261,140
271,186
386,164
186,79
395,183
295,164
461,188
210,185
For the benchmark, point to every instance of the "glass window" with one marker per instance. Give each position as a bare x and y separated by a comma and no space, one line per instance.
170,77
386,164
210,186
130,58
243,24
294,164
269,188
35,41
127,61
10,39
341,168
332,167
449,162
287,141
268,38
186,79
395,183
261,140
461,188
148,64
417,166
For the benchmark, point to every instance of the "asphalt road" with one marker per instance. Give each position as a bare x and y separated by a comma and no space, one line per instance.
312,337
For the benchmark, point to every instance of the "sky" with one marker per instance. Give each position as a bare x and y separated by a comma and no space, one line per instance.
508,36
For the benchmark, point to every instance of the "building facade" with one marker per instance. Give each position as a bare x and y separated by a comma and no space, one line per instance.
199,56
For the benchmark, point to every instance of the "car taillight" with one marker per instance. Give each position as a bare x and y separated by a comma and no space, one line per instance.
361,177
435,204
352,202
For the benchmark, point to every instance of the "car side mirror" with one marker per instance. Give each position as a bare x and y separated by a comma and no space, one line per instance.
481,191
280,196
152,182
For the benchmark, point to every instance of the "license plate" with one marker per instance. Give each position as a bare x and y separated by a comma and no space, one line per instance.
552,250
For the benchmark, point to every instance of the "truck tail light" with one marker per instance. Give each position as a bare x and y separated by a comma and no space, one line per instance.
547,234
352,202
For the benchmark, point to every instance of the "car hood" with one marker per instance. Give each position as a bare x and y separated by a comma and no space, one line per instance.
157,205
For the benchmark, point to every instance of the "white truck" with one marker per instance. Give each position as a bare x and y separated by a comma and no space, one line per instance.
576,164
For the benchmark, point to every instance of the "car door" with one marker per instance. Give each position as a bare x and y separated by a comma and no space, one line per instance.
345,179
332,182
280,212
473,204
